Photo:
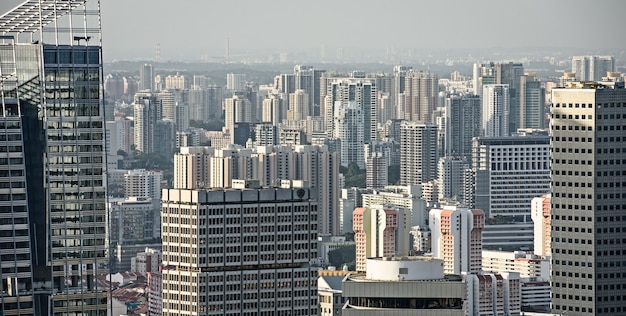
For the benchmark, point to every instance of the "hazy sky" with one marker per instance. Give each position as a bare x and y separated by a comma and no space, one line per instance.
190,28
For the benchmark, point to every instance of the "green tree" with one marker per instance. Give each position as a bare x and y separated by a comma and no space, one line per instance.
393,174
343,255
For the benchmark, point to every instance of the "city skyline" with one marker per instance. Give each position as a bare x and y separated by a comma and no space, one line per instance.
403,28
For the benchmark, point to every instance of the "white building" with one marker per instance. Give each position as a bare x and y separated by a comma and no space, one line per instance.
495,110
456,235
510,172
404,286
348,121
418,152
592,68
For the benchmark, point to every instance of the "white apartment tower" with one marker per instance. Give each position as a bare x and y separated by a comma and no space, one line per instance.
348,122
495,110
456,235
418,152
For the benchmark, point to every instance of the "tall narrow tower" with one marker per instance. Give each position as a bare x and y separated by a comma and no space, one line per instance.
588,199
52,103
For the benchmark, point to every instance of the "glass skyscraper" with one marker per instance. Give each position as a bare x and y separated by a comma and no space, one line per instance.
52,188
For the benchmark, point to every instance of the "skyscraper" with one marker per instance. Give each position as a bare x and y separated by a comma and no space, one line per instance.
588,199
418,152
502,73
146,78
420,96
147,111
462,124
531,102
53,127
244,251
341,93
495,111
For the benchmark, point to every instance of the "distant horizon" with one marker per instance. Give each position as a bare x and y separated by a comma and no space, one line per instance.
324,29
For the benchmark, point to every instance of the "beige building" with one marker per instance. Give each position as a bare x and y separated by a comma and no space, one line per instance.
242,250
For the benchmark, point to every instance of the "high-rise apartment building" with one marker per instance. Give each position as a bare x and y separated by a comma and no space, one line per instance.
588,199
235,82
462,124
456,235
298,105
239,251
309,79
53,209
509,173
147,111
502,73
419,96
592,68
418,152
236,109
380,231
203,167
351,95
495,110
451,178
348,129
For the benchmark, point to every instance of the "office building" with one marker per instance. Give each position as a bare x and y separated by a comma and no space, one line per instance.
462,122
456,235
405,286
592,68
588,197
418,152
53,205
495,110
246,251
146,78
510,172
532,113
